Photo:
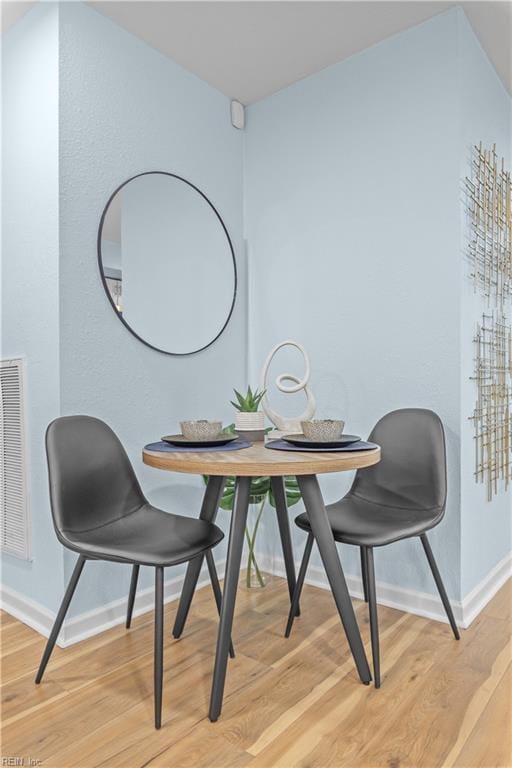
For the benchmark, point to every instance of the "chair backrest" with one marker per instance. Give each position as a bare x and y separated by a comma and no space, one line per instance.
91,479
412,472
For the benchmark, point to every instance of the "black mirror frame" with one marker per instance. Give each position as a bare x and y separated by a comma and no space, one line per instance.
104,281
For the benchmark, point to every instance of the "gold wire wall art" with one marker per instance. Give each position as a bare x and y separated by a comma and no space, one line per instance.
489,247
492,416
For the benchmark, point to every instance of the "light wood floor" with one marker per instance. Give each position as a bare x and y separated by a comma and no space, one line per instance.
288,703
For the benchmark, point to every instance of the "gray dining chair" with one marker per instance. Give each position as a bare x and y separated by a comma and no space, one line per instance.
100,512
402,496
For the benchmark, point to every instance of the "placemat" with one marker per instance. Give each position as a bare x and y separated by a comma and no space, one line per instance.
162,447
282,445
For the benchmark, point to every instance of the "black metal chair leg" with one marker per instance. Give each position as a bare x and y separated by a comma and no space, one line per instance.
300,583
60,617
159,642
439,584
374,621
131,596
364,573
210,562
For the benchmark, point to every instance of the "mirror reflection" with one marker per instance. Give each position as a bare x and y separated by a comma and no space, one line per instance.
167,263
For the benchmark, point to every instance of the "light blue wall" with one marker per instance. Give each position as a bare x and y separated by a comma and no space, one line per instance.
352,219
124,109
30,253
485,116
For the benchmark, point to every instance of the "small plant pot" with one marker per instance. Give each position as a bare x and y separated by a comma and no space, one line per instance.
252,435
254,421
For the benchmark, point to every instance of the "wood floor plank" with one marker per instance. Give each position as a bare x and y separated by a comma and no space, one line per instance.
294,703
49,728
499,607
423,735
16,665
68,675
295,735
129,738
211,749
6,619
355,721
477,706
489,744
14,636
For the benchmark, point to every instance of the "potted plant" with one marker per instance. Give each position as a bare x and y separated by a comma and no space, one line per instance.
248,418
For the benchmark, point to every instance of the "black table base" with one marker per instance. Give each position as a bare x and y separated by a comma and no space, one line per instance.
321,529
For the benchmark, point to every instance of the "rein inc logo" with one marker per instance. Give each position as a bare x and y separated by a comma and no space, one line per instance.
20,761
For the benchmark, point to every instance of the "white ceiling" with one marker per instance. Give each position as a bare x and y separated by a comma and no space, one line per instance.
249,49
252,48
11,12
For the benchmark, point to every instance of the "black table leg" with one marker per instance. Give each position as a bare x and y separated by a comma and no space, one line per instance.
209,508
278,489
314,503
231,576
217,592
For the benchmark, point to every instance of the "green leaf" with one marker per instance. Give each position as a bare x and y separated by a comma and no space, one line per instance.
240,398
249,403
258,398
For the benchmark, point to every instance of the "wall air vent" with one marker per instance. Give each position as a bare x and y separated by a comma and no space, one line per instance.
15,520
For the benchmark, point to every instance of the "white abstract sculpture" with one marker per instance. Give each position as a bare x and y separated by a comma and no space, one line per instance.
283,423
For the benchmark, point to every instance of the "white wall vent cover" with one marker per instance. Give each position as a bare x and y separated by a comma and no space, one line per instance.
15,523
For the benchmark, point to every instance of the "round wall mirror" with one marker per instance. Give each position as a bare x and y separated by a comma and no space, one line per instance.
167,263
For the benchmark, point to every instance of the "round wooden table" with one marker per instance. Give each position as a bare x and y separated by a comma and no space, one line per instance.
258,461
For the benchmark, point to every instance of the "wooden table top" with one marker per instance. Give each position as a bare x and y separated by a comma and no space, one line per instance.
259,461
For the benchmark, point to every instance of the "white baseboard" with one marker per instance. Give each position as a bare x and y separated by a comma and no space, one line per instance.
93,622
476,600
28,611
410,600
98,620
